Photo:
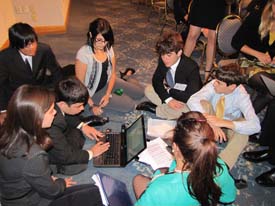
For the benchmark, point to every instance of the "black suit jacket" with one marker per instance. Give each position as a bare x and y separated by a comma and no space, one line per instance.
187,73
67,141
14,72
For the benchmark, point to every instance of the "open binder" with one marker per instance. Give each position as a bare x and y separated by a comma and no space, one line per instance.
113,192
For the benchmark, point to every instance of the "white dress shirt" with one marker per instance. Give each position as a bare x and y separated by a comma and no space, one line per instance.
24,57
237,105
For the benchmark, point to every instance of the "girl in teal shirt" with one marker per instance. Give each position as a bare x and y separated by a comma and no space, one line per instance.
196,177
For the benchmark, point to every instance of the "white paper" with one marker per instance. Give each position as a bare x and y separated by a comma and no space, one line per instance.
156,154
160,128
98,183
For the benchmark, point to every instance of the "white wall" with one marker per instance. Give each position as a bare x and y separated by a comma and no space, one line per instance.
7,18
45,15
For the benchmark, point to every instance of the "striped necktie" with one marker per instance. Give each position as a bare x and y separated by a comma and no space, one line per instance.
220,107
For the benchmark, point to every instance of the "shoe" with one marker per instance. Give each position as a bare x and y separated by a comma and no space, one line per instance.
267,179
147,106
127,72
94,120
256,156
253,138
240,183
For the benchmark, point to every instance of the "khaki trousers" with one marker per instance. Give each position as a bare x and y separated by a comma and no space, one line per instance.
163,110
236,141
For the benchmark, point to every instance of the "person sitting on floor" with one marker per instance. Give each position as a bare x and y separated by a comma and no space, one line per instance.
24,167
96,68
266,139
227,108
67,130
176,78
25,61
255,40
197,176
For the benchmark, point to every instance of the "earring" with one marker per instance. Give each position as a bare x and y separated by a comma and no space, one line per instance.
173,151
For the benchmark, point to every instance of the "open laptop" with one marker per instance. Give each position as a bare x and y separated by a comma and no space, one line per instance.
124,146
269,83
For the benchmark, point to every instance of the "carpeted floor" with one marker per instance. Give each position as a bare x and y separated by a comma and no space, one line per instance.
135,38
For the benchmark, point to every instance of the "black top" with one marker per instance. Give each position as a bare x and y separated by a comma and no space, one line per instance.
104,76
207,13
180,9
248,35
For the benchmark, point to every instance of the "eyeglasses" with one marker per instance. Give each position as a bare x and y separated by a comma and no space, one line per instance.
100,40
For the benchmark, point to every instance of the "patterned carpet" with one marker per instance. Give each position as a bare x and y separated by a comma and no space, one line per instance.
135,38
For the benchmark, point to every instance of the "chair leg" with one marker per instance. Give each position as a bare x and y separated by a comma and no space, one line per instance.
162,28
150,14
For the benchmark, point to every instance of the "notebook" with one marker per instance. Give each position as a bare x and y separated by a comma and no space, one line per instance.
113,191
124,146
270,84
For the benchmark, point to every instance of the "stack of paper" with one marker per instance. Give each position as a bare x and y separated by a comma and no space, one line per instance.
156,154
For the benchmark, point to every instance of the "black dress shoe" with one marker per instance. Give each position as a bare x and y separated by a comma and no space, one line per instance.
147,106
253,138
240,183
256,156
95,120
267,179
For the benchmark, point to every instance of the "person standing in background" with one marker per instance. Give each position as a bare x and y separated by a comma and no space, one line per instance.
204,14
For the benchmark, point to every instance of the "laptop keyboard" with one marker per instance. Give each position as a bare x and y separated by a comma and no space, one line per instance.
112,156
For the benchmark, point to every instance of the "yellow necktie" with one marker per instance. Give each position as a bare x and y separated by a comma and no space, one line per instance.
220,107
271,38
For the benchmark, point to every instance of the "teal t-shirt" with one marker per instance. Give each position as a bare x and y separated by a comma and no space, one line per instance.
171,189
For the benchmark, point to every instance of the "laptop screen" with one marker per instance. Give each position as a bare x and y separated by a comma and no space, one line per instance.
136,140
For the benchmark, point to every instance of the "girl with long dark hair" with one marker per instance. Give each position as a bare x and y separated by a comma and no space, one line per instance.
25,176
196,177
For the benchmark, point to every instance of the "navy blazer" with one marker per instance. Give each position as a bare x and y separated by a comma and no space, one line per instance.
14,72
187,73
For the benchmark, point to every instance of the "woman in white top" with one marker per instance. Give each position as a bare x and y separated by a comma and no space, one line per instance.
96,68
